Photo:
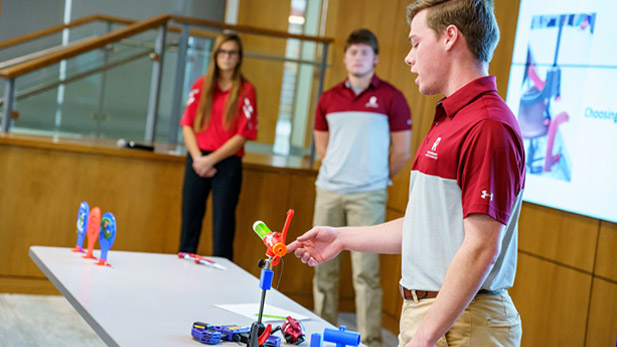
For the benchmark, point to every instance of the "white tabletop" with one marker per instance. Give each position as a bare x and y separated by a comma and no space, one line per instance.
153,299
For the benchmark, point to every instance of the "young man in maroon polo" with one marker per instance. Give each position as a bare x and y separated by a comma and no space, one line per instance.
458,238
363,138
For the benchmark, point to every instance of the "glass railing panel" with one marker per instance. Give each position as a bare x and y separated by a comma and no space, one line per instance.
196,65
105,94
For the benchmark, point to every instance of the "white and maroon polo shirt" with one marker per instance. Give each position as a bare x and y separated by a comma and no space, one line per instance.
359,129
471,161
215,134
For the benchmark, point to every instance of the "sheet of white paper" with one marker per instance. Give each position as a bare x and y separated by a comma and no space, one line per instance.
271,313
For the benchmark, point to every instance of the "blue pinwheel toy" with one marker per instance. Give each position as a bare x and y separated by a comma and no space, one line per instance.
82,219
107,235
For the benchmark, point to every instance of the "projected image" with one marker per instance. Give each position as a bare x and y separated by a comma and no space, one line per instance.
539,113
562,90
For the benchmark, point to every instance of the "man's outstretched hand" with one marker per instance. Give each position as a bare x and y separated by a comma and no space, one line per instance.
317,245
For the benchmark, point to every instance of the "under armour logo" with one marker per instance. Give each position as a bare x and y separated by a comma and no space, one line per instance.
372,102
434,148
486,194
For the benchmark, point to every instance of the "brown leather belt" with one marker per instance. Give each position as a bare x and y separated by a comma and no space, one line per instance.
425,294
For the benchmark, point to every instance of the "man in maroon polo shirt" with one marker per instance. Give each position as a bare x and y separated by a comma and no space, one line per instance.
458,238
363,138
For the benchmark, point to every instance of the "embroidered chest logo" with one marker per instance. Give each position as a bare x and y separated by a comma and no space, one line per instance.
248,110
433,152
486,194
192,96
372,102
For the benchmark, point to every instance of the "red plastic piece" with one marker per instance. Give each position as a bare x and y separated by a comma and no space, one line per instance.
275,242
102,262
264,336
94,223
293,331
551,159
77,249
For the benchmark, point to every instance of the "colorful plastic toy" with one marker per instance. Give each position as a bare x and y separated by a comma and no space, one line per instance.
94,222
275,243
198,259
293,331
82,219
107,235
214,334
340,337
205,333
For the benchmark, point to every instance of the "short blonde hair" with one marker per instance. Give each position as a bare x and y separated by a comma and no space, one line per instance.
474,18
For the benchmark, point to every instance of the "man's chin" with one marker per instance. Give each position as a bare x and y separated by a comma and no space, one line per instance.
361,74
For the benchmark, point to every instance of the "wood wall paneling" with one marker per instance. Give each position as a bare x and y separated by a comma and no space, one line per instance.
602,323
606,260
260,200
552,301
38,285
42,190
297,279
558,235
265,75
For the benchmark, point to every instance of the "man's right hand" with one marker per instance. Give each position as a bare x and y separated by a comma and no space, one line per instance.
317,245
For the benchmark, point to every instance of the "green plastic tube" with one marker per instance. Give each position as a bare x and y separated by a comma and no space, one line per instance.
261,229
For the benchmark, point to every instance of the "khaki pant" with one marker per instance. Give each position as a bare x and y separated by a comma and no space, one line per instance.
489,320
358,209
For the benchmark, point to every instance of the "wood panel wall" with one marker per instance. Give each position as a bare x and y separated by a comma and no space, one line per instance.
265,75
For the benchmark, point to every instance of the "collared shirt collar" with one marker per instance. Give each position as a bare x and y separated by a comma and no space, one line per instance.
374,82
462,97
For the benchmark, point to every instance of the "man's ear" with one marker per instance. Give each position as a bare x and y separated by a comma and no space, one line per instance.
450,36
376,60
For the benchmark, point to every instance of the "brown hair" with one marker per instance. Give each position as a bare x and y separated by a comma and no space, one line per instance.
363,36
202,119
474,18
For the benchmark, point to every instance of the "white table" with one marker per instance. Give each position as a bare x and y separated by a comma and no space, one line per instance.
153,299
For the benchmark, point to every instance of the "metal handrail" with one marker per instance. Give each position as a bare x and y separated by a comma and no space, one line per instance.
71,51
129,30
248,29
44,87
133,28
57,28
41,53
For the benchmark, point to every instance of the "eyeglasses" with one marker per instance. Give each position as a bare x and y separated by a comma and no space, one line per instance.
229,53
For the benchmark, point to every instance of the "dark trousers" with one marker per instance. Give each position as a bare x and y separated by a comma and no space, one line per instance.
225,186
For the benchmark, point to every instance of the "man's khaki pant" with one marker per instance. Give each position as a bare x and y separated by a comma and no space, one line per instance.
489,320
357,209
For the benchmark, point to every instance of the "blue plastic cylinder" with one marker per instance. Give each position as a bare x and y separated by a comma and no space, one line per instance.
316,340
341,337
265,280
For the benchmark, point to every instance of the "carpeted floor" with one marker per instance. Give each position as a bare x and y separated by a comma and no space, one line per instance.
49,320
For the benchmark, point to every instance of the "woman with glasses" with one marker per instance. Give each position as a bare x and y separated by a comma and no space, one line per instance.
220,116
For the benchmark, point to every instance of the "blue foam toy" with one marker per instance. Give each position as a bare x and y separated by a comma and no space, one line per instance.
82,220
107,234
